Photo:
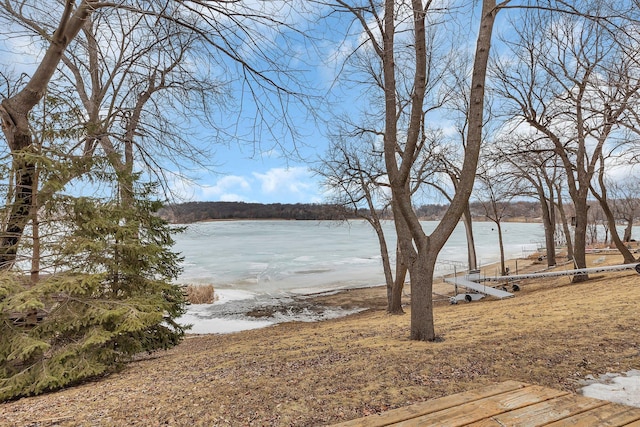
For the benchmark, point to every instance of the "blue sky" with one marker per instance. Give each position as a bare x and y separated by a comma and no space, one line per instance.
273,167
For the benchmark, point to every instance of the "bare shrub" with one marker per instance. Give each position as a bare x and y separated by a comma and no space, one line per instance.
200,294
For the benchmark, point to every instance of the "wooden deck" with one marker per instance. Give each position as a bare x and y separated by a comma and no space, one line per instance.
510,403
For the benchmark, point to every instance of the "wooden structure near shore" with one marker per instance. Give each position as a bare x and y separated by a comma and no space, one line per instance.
510,403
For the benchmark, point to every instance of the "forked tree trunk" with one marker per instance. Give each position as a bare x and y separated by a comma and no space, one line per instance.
426,248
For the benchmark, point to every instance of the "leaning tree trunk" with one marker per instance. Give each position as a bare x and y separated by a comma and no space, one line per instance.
395,304
611,221
394,295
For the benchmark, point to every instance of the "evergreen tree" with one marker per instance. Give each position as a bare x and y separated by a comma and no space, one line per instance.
112,297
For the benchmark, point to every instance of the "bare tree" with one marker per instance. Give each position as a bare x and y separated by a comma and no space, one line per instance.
529,159
402,134
223,28
574,83
495,191
625,202
601,194
352,170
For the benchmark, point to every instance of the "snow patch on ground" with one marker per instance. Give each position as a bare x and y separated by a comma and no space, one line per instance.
216,325
231,312
619,388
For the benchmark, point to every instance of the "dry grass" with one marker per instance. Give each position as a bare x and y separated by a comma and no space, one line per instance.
200,294
553,333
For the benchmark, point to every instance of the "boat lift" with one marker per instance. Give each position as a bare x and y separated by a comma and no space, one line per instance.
474,286
472,281
574,272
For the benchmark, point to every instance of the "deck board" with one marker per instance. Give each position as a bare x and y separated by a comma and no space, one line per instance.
548,411
478,410
609,415
408,412
510,403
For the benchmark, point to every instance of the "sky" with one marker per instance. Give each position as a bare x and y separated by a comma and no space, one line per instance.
273,170
270,165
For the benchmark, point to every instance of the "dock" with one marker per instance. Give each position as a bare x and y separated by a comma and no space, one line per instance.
510,403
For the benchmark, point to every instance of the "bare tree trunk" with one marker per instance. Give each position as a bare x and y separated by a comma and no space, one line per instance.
549,229
14,112
421,271
471,246
565,225
580,239
394,287
422,264
627,231
503,270
395,303
611,220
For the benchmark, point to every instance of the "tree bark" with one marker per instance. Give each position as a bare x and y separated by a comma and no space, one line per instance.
627,231
611,220
395,303
565,226
14,112
471,246
422,265
503,270
549,228
580,238
421,271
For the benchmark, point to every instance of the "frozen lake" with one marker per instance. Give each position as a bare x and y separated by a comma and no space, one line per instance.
261,263
311,256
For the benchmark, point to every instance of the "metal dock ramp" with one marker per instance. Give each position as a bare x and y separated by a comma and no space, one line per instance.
487,290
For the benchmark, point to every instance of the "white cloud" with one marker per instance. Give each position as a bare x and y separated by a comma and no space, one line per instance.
226,187
231,197
281,180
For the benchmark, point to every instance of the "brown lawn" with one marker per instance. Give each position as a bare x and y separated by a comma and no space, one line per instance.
553,333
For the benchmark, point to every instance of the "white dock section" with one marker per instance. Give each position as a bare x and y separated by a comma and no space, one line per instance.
488,290
579,271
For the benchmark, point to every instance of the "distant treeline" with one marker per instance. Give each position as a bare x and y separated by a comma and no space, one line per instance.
512,210
185,213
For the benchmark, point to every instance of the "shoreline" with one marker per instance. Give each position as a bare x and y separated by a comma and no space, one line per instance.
553,333
327,304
